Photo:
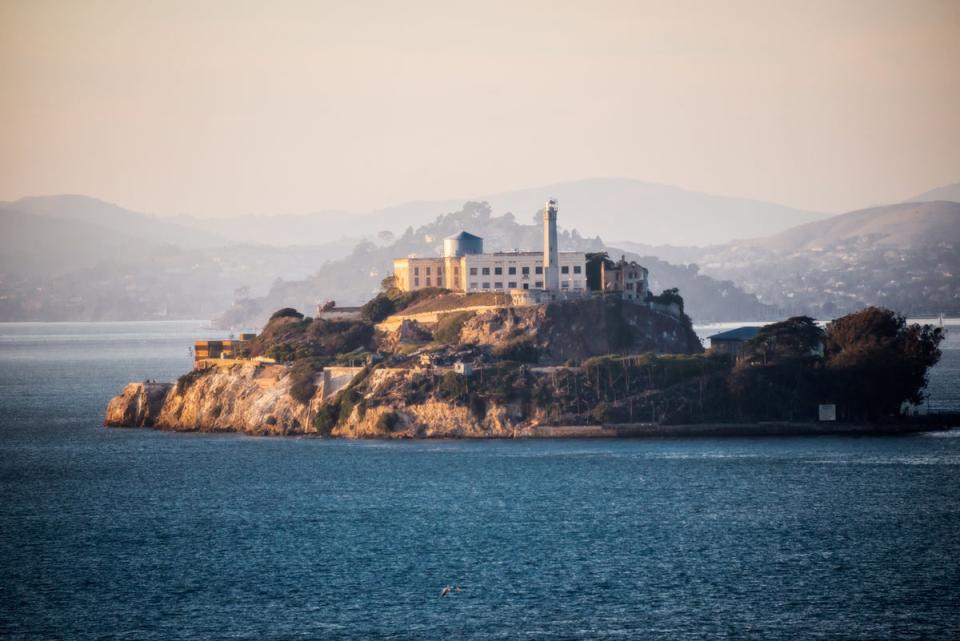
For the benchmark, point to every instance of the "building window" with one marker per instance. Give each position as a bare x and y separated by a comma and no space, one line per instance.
473,286
525,270
526,285
538,284
486,271
486,285
416,271
439,272
416,281
512,285
428,278
473,271
565,285
498,271
539,269
512,271
576,269
629,285
565,269
498,285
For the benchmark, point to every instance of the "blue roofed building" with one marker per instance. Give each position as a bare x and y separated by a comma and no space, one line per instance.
731,341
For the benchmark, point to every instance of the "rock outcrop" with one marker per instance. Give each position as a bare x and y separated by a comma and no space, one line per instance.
256,400
138,405
580,329
249,398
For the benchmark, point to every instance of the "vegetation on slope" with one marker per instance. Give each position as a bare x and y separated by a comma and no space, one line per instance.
872,363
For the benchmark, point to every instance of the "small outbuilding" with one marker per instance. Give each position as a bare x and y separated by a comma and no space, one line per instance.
731,342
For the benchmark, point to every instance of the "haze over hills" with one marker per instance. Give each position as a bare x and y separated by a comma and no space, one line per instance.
904,256
79,258
947,192
612,208
902,226
116,219
74,257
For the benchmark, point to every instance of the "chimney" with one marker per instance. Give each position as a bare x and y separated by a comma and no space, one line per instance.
551,258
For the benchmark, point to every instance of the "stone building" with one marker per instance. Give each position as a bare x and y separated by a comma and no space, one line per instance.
629,278
465,267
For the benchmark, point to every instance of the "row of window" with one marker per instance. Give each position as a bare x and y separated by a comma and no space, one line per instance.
513,285
416,271
511,271
499,285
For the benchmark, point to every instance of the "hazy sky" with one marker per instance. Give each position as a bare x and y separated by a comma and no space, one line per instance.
216,108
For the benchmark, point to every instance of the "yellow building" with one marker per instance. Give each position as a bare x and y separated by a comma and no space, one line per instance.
465,268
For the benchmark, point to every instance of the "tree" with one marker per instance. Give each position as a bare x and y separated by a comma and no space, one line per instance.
878,362
286,312
377,308
797,337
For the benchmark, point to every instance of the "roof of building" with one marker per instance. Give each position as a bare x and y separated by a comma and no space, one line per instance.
464,235
738,334
529,253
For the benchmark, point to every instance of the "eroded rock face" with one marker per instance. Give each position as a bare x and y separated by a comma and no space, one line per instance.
256,400
584,328
138,405
247,398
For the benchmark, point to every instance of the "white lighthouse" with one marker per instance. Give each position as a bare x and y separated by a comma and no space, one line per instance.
551,256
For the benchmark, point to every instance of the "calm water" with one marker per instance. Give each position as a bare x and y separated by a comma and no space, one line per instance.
135,534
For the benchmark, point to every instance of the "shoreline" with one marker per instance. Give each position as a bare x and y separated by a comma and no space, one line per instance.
621,431
649,430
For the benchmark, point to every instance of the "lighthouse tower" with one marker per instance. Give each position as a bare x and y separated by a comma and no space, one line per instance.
551,258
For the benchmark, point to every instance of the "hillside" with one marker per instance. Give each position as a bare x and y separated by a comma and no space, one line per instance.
93,211
901,256
947,192
900,226
76,258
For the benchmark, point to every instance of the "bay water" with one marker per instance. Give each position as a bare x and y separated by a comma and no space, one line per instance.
139,534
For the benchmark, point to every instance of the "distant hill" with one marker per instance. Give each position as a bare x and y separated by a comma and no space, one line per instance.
134,224
77,258
618,209
625,209
947,192
905,257
902,226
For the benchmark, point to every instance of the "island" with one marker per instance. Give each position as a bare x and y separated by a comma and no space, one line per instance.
539,344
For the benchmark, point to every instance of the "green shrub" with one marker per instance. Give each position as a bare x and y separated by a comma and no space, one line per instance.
377,308
521,349
303,376
478,406
609,413
346,407
449,326
326,418
286,312
387,421
453,387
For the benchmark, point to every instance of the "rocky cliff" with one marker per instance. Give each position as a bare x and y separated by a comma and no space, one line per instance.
248,398
582,328
257,400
